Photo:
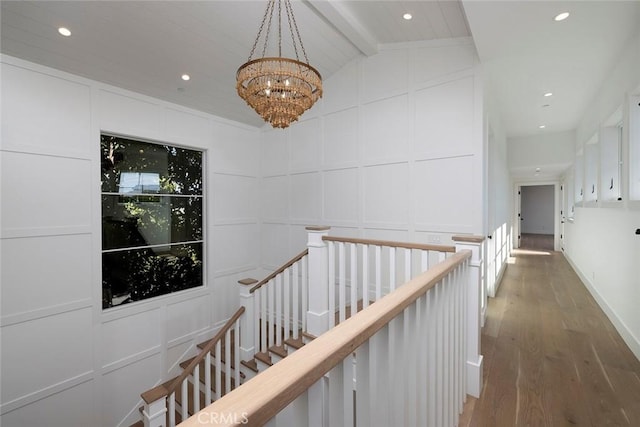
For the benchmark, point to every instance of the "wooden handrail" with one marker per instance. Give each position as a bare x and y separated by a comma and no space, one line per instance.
164,390
262,397
280,270
404,245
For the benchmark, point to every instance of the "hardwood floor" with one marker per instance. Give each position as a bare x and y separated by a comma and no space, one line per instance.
536,241
551,356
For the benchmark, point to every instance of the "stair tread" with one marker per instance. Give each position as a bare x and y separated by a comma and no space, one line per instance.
311,337
264,358
251,364
279,350
296,343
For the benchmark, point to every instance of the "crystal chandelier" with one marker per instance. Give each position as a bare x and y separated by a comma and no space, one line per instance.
279,89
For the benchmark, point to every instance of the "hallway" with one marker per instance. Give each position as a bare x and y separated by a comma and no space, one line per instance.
551,356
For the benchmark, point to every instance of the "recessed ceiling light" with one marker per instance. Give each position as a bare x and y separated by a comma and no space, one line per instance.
407,16
185,77
561,16
542,126
64,31
537,169
548,94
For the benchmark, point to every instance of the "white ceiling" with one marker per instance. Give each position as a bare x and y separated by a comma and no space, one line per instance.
145,46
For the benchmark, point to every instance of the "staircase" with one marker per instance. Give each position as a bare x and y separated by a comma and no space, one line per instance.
283,313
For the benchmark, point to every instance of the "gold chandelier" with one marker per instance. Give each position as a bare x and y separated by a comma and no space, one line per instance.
279,89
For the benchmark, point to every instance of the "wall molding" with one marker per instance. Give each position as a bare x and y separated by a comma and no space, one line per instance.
131,359
622,328
27,316
45,392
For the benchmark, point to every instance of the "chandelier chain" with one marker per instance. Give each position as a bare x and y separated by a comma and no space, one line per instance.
293,37
264,19
279,28
295,25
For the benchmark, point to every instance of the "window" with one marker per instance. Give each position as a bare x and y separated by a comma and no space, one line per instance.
578,177
634,148
152,206
569,194
611,157
592,151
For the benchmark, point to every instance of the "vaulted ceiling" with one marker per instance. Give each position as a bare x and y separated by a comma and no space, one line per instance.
145,46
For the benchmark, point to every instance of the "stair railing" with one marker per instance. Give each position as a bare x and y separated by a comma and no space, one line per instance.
364,270
276,307
415,351
160,402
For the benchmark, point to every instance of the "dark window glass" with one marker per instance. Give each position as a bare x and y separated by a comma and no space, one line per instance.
152,232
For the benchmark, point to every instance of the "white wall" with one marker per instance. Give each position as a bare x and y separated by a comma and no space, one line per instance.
537,209
65,361
499,201
394,150
600,242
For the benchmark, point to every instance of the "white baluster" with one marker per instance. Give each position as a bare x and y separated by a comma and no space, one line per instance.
196,388
295,299
365,276
379,359
332,281
363,387
424,260
218,370
236,353
392,269
337,398
279,311
407,265
172,409
354,278
264,318
423,379
304,306
207,379
286,290
184,413
227,363
342,301
271,314
378,269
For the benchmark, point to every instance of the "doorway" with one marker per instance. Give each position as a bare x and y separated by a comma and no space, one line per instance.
537,219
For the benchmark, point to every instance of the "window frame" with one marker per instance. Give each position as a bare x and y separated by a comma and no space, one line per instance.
159,195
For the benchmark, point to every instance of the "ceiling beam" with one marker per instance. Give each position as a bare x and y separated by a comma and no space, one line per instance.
336,15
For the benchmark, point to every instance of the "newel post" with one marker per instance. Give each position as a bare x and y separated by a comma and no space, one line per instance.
318,313
318,318
154,412
247,323
474,311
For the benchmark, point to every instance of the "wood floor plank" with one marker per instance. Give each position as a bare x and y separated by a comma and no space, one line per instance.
552,357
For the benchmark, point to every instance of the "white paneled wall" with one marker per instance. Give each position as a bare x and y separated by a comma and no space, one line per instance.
394,150
65,362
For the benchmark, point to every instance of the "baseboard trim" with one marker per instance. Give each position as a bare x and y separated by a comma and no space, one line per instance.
474,377
627,336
